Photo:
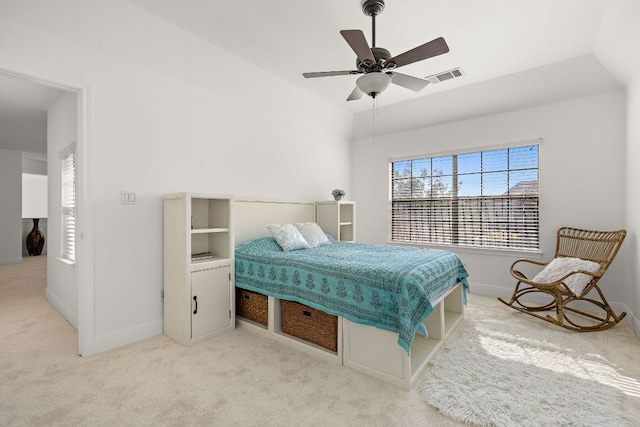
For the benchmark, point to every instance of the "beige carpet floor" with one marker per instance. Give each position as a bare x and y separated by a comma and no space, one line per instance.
239,379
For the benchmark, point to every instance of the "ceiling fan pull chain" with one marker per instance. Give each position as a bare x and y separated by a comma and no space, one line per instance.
374,114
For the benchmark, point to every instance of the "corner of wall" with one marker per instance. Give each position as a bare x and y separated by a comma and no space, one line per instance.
65,310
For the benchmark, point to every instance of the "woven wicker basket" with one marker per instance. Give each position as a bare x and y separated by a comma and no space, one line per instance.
310,324
252,306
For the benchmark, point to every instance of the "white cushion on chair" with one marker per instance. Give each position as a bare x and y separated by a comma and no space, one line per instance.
559,267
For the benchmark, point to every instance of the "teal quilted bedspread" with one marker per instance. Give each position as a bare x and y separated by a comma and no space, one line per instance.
389,287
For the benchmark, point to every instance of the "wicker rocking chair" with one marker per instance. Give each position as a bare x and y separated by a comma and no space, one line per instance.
571,283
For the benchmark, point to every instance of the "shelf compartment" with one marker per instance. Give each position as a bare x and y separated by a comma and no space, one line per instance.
216,243
207,214
252,306
209,230
347,233
310,324
338,219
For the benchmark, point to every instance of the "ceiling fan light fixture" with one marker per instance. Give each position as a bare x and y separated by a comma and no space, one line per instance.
373,83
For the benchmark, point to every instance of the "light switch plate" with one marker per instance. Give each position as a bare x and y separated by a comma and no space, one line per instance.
128,197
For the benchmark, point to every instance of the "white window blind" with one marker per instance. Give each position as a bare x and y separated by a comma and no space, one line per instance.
484,198
68,202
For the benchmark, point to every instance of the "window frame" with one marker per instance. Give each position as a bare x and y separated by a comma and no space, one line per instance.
534,252
68,192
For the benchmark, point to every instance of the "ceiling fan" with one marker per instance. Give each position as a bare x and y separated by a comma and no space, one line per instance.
376,63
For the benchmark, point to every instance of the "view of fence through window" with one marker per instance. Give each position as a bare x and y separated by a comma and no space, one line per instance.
485,198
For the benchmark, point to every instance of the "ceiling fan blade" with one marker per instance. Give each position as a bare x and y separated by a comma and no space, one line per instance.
359,44
428,50
414,83
329,73
356,94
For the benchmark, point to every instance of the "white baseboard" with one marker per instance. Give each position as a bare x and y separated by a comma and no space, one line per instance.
490,290
504,293
635,324
65,310
631,318
128,336
112,340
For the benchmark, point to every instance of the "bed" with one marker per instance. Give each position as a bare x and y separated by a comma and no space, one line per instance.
388,287
395,305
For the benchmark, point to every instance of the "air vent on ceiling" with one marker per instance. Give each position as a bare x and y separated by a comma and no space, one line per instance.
440,77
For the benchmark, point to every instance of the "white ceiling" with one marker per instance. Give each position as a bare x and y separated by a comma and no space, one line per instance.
23,113
487,38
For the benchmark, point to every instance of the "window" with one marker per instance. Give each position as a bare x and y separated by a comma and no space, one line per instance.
480,199
68,202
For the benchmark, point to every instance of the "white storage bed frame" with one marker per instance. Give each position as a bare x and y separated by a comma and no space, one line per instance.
361,347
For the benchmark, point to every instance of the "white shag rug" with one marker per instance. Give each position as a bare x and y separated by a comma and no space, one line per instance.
497,373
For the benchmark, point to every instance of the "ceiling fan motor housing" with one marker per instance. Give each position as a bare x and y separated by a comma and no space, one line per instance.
372,7
381,55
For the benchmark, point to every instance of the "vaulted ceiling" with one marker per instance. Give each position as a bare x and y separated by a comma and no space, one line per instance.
487,38
23,113
538,49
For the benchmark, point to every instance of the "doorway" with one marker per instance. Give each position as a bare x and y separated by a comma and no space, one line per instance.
69,287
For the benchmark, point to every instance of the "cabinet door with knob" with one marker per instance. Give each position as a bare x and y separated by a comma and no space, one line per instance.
210,301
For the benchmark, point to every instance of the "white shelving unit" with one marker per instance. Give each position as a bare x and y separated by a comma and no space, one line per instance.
199,294
337,218
376,352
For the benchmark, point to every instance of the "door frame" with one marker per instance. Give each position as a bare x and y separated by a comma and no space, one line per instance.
84,265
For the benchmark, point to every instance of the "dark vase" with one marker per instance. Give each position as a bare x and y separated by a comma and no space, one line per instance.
35,239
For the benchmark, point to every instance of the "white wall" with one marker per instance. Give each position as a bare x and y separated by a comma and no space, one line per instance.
582,175
169,113
34,163
10,206
617,48
62,282
632,197
34,195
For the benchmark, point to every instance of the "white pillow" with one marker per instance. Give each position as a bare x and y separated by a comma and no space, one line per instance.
288,237
312,233
564,265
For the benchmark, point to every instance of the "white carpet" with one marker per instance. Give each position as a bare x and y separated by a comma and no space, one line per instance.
508,373
241,379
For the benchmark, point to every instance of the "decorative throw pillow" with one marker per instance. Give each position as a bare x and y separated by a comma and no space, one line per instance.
312,233
558,267
288,237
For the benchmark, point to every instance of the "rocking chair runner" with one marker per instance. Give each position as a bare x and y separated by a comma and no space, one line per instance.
599,247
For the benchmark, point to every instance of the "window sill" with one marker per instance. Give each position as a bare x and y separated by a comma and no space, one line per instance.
518,253
67,263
